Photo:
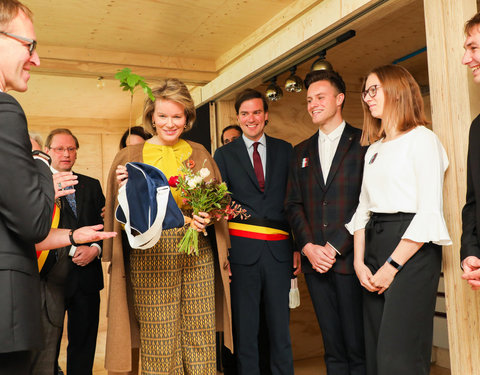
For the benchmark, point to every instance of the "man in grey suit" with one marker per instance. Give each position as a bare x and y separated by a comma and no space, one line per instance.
26,197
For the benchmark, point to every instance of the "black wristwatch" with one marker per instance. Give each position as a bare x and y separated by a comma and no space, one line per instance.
395,264
43,155
70,236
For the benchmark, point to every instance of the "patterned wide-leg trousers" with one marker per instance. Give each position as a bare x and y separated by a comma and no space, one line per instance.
174,300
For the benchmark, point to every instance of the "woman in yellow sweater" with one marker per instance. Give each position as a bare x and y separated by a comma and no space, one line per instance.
167,303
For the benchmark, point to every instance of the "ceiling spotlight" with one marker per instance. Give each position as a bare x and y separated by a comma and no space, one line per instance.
293,83
274,92
321,63
100,83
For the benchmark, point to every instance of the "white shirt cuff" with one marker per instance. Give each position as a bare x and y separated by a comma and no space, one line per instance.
72,251
338,252
99,249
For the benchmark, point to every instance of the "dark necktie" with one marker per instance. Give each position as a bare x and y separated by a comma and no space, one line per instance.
257,166
71,201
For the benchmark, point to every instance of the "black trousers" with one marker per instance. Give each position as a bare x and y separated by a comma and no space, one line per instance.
399,323
337,300
83,316
266,282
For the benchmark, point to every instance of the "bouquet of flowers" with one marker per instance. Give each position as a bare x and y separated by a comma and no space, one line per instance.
211,197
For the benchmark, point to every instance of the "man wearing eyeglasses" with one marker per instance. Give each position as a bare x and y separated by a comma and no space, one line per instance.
85,278
26,198
322,195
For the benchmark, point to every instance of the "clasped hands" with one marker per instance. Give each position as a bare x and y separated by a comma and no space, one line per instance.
471,271
322,258
379,282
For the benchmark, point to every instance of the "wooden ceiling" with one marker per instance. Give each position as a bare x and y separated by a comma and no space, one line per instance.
80,41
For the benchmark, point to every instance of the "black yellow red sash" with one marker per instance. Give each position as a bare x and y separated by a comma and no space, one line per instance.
42,255
257,232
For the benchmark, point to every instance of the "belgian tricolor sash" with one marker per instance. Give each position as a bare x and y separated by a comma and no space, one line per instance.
43,256
258,232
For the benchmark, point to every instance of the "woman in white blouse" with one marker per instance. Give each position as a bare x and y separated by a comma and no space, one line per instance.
398,226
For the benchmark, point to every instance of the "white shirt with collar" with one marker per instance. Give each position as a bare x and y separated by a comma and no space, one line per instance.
327,146
262,149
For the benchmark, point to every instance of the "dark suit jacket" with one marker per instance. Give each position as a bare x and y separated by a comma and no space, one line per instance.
26,206
90,201
318,212
267,206
470,243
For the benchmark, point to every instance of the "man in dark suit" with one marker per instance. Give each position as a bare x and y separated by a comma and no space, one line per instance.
470,243
26,197
85,278
255,168
322,195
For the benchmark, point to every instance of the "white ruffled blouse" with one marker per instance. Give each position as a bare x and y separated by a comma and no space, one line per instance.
406,175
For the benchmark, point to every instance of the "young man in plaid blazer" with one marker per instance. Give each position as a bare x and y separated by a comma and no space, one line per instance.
322,195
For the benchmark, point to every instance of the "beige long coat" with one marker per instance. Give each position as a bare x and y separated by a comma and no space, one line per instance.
122,329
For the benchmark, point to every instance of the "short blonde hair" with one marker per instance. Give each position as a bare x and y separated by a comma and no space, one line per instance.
9,10
176,91
403,104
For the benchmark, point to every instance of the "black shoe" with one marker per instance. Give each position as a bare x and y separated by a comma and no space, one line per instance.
60,371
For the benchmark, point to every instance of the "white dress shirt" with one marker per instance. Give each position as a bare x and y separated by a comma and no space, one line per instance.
406,175
262,149
327,146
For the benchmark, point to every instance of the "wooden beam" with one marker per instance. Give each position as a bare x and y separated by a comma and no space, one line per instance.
125,58
305,33
44,124
293,11
79,62
450,93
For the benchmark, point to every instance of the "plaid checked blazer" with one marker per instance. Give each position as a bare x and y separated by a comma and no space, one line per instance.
317,212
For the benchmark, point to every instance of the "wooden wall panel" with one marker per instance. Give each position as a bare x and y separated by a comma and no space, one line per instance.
89,155
98,138
452,108
110,148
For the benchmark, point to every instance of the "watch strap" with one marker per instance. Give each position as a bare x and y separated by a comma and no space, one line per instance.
394,264
70,236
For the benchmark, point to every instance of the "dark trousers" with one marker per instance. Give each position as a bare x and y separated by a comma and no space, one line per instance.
226,360
337,300
268,282
83,315
17,363
399,323
44,362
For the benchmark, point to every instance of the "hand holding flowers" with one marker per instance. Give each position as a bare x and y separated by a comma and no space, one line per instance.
208,199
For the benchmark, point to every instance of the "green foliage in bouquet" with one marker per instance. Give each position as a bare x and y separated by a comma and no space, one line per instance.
201,195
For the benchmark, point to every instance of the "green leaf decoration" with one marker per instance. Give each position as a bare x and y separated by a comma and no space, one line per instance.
130,81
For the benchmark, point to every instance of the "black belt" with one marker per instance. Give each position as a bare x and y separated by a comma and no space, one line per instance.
398,216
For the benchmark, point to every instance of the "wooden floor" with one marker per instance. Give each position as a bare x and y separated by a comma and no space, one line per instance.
311,366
